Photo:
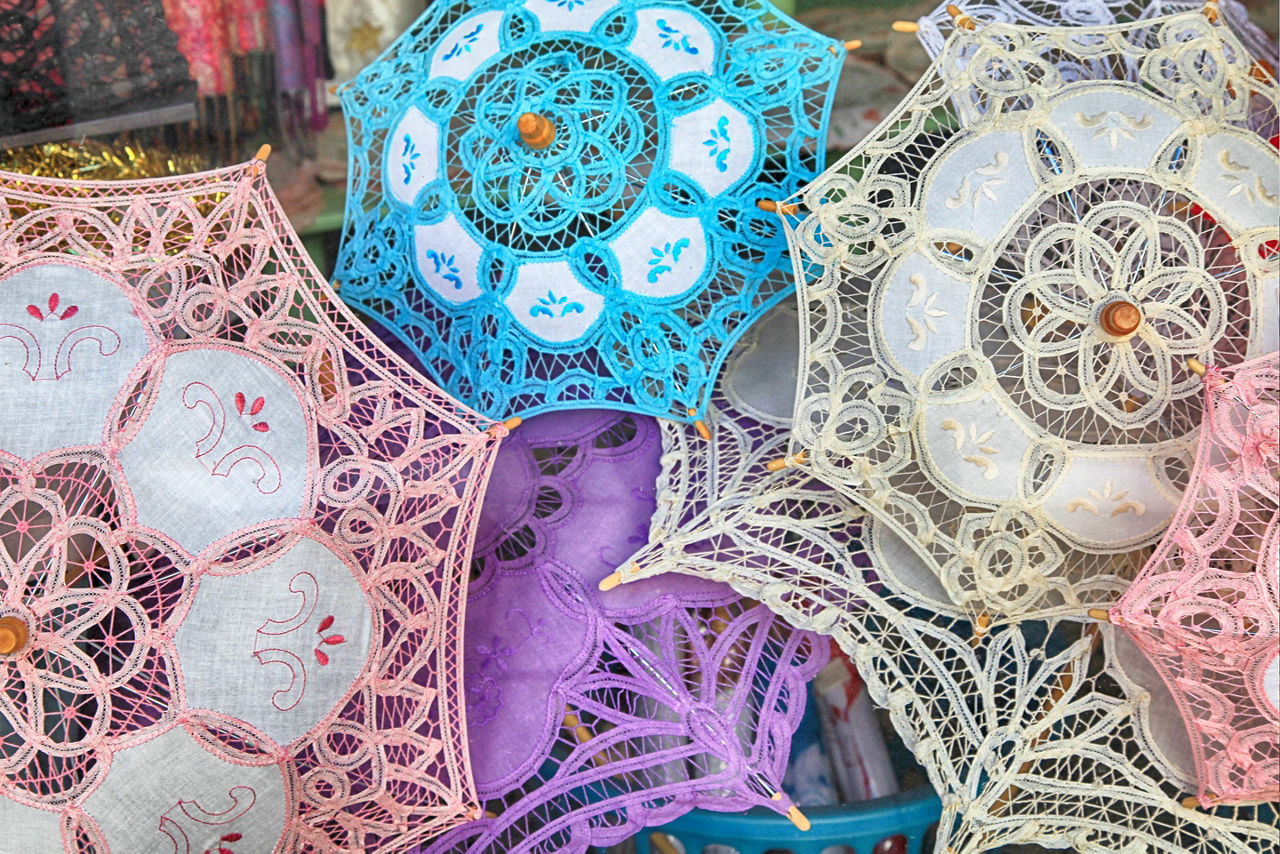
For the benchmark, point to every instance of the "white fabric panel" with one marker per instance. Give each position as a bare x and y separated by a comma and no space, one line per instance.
411,156
1266,329
1270,682
170,794
265,627
976,447
1237,177
979,185
1163,719
900,562
672,42
198,467
448,260
466,47
1112,498
714,145
924,313
60,372
762,380
1113,128
661,255
574,15
549,301
29,830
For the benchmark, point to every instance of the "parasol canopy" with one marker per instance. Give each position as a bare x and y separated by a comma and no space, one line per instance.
1206,608
1000,291
594,714
234,536
554,202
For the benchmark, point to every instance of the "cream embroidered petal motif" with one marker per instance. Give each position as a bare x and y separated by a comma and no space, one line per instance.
233,537
1056,732
1001,287
1206,609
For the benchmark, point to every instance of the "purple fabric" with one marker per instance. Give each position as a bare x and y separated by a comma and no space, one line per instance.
591,715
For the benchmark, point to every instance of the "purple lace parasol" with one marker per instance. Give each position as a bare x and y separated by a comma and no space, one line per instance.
592,714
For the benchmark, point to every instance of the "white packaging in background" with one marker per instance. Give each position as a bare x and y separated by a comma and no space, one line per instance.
851,732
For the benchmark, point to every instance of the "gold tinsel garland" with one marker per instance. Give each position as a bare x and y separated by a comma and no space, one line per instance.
121,160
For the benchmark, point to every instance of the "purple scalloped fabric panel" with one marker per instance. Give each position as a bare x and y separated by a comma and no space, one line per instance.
590,714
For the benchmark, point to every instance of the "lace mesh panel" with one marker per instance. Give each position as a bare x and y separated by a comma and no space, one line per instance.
210,468
1206,605
961,272
594,714
617,264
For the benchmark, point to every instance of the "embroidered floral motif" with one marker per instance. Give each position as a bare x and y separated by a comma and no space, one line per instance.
1113,125
46,338
974,191
304,585
1244,181
446,267
326,640
463,45
658,263
719,137
570,5
68,313
981,459
409,158
674,39
258,403
923,298
484,694
551,301
198,395
177,821
1097,501
223,841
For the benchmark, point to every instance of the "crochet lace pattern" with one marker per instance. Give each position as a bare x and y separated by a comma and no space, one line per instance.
234,531
1206,608
616,265
595,714
1000,288
1056,732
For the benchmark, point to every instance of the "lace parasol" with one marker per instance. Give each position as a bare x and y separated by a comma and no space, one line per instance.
594,714
1206,608
555,201
1000,291
233,536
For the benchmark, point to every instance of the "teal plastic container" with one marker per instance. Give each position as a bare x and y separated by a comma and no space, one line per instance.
896,824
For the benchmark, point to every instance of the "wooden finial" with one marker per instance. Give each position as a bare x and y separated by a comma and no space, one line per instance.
787,462
1211,11
852,44
700,426
1102,615
983,622
1120,318
536,131
961,20
906,27
613,579
777,207
13,635
509,425
1196,367
798,818
260,159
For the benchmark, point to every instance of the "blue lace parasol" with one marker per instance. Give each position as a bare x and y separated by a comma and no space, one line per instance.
554,201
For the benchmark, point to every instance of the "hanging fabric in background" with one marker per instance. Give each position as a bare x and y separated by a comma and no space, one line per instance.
66,61
358,30
299,46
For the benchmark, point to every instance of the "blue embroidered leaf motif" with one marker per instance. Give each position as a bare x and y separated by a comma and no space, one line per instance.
674,39
719,135
463,45
409,155
658,262
551,301
570,5
446,267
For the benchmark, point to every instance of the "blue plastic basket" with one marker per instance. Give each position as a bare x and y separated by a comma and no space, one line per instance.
858,827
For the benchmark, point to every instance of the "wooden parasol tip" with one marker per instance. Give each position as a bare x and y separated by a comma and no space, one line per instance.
263,153
787,462
1196,367
1102,615
798,818
536,131
906,27
777,207
333,90
13,635
961,19
700,426
1211,11
1120,318
610,581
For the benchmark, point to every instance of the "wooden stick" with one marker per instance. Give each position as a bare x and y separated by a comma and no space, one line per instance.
777,207
961,20
852,44
1196,367
700,426
661,843
1211,11
1102,615
509,425
906,27
787,462
798,818
615,578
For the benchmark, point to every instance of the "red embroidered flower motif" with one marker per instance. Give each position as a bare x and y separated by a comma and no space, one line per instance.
67,314
326,640
223,841
254,409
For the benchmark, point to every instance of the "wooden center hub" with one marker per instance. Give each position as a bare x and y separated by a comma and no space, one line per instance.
536,131
13,635
1120,318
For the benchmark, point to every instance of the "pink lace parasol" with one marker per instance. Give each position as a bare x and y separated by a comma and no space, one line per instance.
234,537
1206,608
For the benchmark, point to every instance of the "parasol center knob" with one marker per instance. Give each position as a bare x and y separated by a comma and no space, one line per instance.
13,635
536,131
1120,318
